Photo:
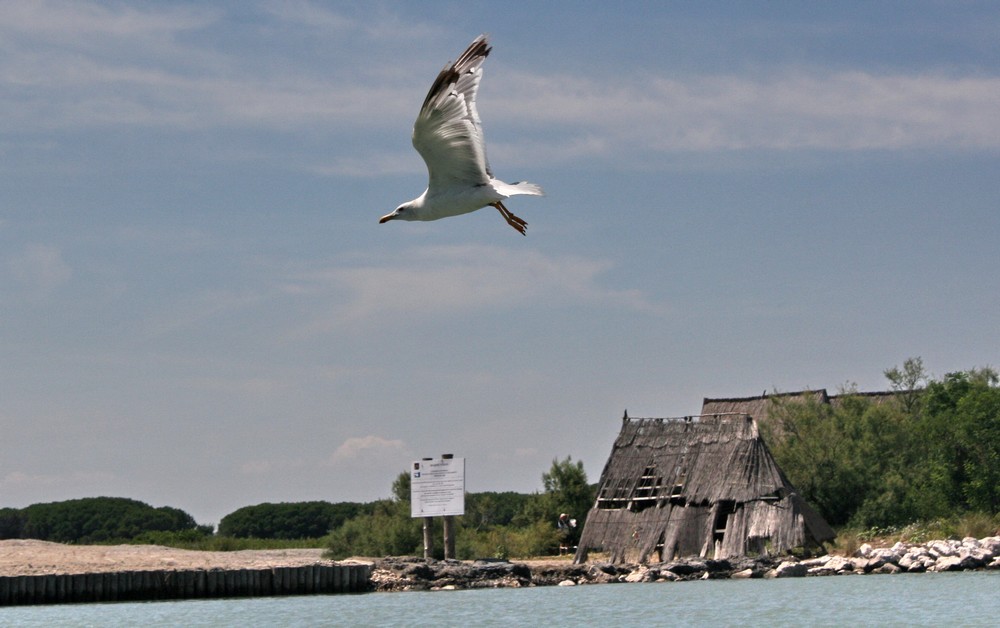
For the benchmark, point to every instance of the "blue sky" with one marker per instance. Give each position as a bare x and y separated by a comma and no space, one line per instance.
199,309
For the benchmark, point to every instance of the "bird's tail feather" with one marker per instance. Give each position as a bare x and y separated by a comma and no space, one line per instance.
519,187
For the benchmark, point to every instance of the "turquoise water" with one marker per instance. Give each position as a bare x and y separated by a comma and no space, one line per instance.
955,599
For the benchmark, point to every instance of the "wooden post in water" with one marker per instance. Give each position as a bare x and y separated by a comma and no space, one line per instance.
428,537
449,536
449,526
428,530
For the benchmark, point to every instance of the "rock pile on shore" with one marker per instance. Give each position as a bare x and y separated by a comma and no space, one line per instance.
950,555
417,574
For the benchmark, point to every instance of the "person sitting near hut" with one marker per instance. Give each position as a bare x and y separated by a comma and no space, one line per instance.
566,528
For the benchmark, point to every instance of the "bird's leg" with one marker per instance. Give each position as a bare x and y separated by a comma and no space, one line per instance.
511,219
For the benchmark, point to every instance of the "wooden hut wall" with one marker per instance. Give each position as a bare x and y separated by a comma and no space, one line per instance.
758,524
682,533
664,533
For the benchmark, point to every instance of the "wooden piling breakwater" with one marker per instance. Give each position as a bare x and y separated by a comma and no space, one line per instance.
122,586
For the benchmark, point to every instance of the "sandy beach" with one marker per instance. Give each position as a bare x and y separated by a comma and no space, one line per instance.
25,557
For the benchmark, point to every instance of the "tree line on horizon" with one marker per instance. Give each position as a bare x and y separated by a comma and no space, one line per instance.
495,523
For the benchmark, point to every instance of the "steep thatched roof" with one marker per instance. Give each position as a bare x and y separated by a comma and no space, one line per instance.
696,486
877,398
759,407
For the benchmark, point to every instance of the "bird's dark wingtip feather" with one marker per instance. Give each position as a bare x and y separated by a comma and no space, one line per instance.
479,49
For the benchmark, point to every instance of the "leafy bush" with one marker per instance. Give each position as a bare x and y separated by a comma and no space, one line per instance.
537,539
387,531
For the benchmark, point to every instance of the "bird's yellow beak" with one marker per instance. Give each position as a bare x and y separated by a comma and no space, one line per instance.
386,218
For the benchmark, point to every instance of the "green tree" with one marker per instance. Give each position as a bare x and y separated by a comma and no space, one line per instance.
401,488
960,428
565,491
979,430
295,520
883,453
566,487
931,451
100,519
818,450
907,382
488,509
11,523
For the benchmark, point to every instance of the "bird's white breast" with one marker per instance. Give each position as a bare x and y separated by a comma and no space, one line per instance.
454,201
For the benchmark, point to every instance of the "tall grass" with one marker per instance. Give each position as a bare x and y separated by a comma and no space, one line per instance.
213,543
507,542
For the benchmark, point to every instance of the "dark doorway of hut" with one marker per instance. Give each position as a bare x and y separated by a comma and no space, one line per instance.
661,552
723,509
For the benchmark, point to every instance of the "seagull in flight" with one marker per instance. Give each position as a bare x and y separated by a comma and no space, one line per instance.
449,136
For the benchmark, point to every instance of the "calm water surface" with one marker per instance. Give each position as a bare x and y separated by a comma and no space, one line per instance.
949,599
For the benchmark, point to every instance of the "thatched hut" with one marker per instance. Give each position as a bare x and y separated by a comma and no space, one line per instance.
695,486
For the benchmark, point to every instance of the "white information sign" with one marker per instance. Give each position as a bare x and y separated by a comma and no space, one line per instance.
437,487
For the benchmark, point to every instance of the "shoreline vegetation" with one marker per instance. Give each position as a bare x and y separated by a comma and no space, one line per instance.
29,560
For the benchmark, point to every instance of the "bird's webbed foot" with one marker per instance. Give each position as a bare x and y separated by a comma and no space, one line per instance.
520,225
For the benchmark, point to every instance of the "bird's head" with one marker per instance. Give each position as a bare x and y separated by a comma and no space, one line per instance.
407,211
399,212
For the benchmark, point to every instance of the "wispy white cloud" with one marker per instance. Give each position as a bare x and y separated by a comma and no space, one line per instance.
257,467
559,119
246,387
453,280
379,25
269,466
70,483
84,20
356,453
77,65
788,111
82,65
370,446
99,95
186,312
309,14
184,240
371,165
39,268
225,376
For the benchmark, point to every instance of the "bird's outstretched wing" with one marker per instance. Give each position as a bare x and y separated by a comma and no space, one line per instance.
448,133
